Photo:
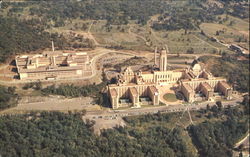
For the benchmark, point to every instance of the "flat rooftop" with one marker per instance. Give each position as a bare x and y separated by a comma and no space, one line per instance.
50,61
49,69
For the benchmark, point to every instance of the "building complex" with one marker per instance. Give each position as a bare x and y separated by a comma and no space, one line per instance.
134,89
51,65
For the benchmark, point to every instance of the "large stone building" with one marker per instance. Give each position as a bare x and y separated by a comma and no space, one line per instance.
134,89
53,65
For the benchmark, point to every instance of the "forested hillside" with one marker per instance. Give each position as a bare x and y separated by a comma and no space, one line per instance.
8,97
59,134
24,36
218,138
26,26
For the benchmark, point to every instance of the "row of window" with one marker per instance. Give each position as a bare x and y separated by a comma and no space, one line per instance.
51,73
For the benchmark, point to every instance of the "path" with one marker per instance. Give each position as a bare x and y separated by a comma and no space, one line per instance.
139,36
149,23
155,109
244,141
191,121
90,34
203,41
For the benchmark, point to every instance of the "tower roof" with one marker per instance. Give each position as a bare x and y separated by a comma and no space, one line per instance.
164,50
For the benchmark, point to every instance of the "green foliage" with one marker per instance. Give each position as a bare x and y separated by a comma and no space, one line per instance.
47,134
219,104
246,103
115,12
20,35
237,8
67,90
235,71
190,50
187,17
70,90
215,139
170,97
23,36
8,98
58,134
74,91
33,85
182,18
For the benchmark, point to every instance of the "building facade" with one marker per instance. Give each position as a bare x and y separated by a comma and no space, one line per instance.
52,65
133,88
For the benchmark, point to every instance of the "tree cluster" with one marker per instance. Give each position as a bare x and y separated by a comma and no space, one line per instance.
70,90
8,97
59,134
216,139
24,36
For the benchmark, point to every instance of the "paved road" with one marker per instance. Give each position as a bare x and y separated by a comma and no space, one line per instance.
244,141
155,109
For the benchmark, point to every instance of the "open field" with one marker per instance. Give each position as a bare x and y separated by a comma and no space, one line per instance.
230,30
122,35
238,24
55,103
136,37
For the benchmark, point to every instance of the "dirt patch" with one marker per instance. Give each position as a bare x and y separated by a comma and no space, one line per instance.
245,33
28,104
107,122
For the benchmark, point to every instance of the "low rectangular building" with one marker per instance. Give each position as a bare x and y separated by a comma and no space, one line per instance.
53,65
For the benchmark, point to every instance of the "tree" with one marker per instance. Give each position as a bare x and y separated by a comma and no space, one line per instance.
8,97
231,23
190,50
208,107
241,154
245,103
113,80
202,33
219,104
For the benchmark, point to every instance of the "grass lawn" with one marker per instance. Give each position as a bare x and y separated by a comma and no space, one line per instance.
238,24
170,97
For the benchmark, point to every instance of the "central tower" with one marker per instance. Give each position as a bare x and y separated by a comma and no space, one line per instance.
163,59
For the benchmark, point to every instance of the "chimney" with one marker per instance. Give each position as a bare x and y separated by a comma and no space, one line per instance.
53,48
